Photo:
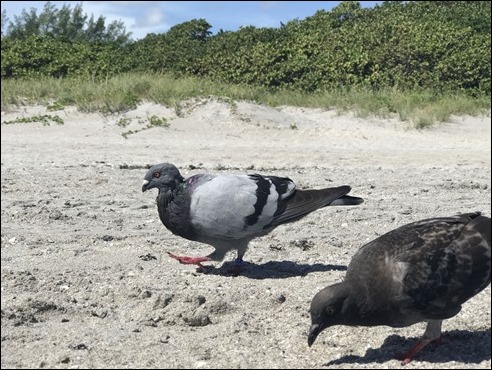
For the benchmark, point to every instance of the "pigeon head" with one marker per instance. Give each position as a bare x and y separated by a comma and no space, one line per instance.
328,308
162,176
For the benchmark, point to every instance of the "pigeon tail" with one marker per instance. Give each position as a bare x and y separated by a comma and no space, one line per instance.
303,202
347,200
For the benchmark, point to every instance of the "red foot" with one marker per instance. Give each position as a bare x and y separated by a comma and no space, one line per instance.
406,357
190,260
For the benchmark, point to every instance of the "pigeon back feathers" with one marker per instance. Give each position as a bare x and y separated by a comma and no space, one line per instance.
428,268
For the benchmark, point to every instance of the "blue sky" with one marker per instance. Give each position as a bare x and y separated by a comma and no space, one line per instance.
142,17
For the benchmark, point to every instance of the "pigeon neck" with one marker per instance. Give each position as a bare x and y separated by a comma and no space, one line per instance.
165,196
360,310
351,310
351,300
172,187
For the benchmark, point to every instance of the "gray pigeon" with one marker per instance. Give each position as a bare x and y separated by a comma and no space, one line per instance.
226,211
423,271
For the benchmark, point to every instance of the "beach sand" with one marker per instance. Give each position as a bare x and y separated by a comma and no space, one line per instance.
87,282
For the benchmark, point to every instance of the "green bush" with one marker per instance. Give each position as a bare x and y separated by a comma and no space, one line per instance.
437,45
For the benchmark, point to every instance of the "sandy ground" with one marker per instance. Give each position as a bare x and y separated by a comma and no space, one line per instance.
87,283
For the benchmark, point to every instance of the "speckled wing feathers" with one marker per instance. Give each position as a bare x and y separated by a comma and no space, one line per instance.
427,268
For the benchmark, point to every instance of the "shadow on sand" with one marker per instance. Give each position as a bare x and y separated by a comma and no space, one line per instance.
274,269
456,345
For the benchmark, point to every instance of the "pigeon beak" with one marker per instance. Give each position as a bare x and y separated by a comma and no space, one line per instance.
144,185
314,330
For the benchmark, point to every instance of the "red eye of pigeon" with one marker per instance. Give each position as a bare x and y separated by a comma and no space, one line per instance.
157,174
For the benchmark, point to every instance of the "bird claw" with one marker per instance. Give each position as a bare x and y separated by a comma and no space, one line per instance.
236,269
404,360
201,269
190,260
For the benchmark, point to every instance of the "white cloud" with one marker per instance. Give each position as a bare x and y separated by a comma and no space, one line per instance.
152,17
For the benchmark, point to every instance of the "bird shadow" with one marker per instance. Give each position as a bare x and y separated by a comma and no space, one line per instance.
457,345
273,269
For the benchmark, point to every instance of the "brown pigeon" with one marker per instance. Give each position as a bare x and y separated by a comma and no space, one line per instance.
423,271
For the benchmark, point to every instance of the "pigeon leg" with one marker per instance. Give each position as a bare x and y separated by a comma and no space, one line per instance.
432,334
242,246
237,268
190,260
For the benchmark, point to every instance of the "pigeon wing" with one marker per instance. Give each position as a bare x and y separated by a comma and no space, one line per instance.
303,202
448,263
233,206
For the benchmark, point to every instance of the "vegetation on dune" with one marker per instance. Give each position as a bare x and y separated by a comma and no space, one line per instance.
421,60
